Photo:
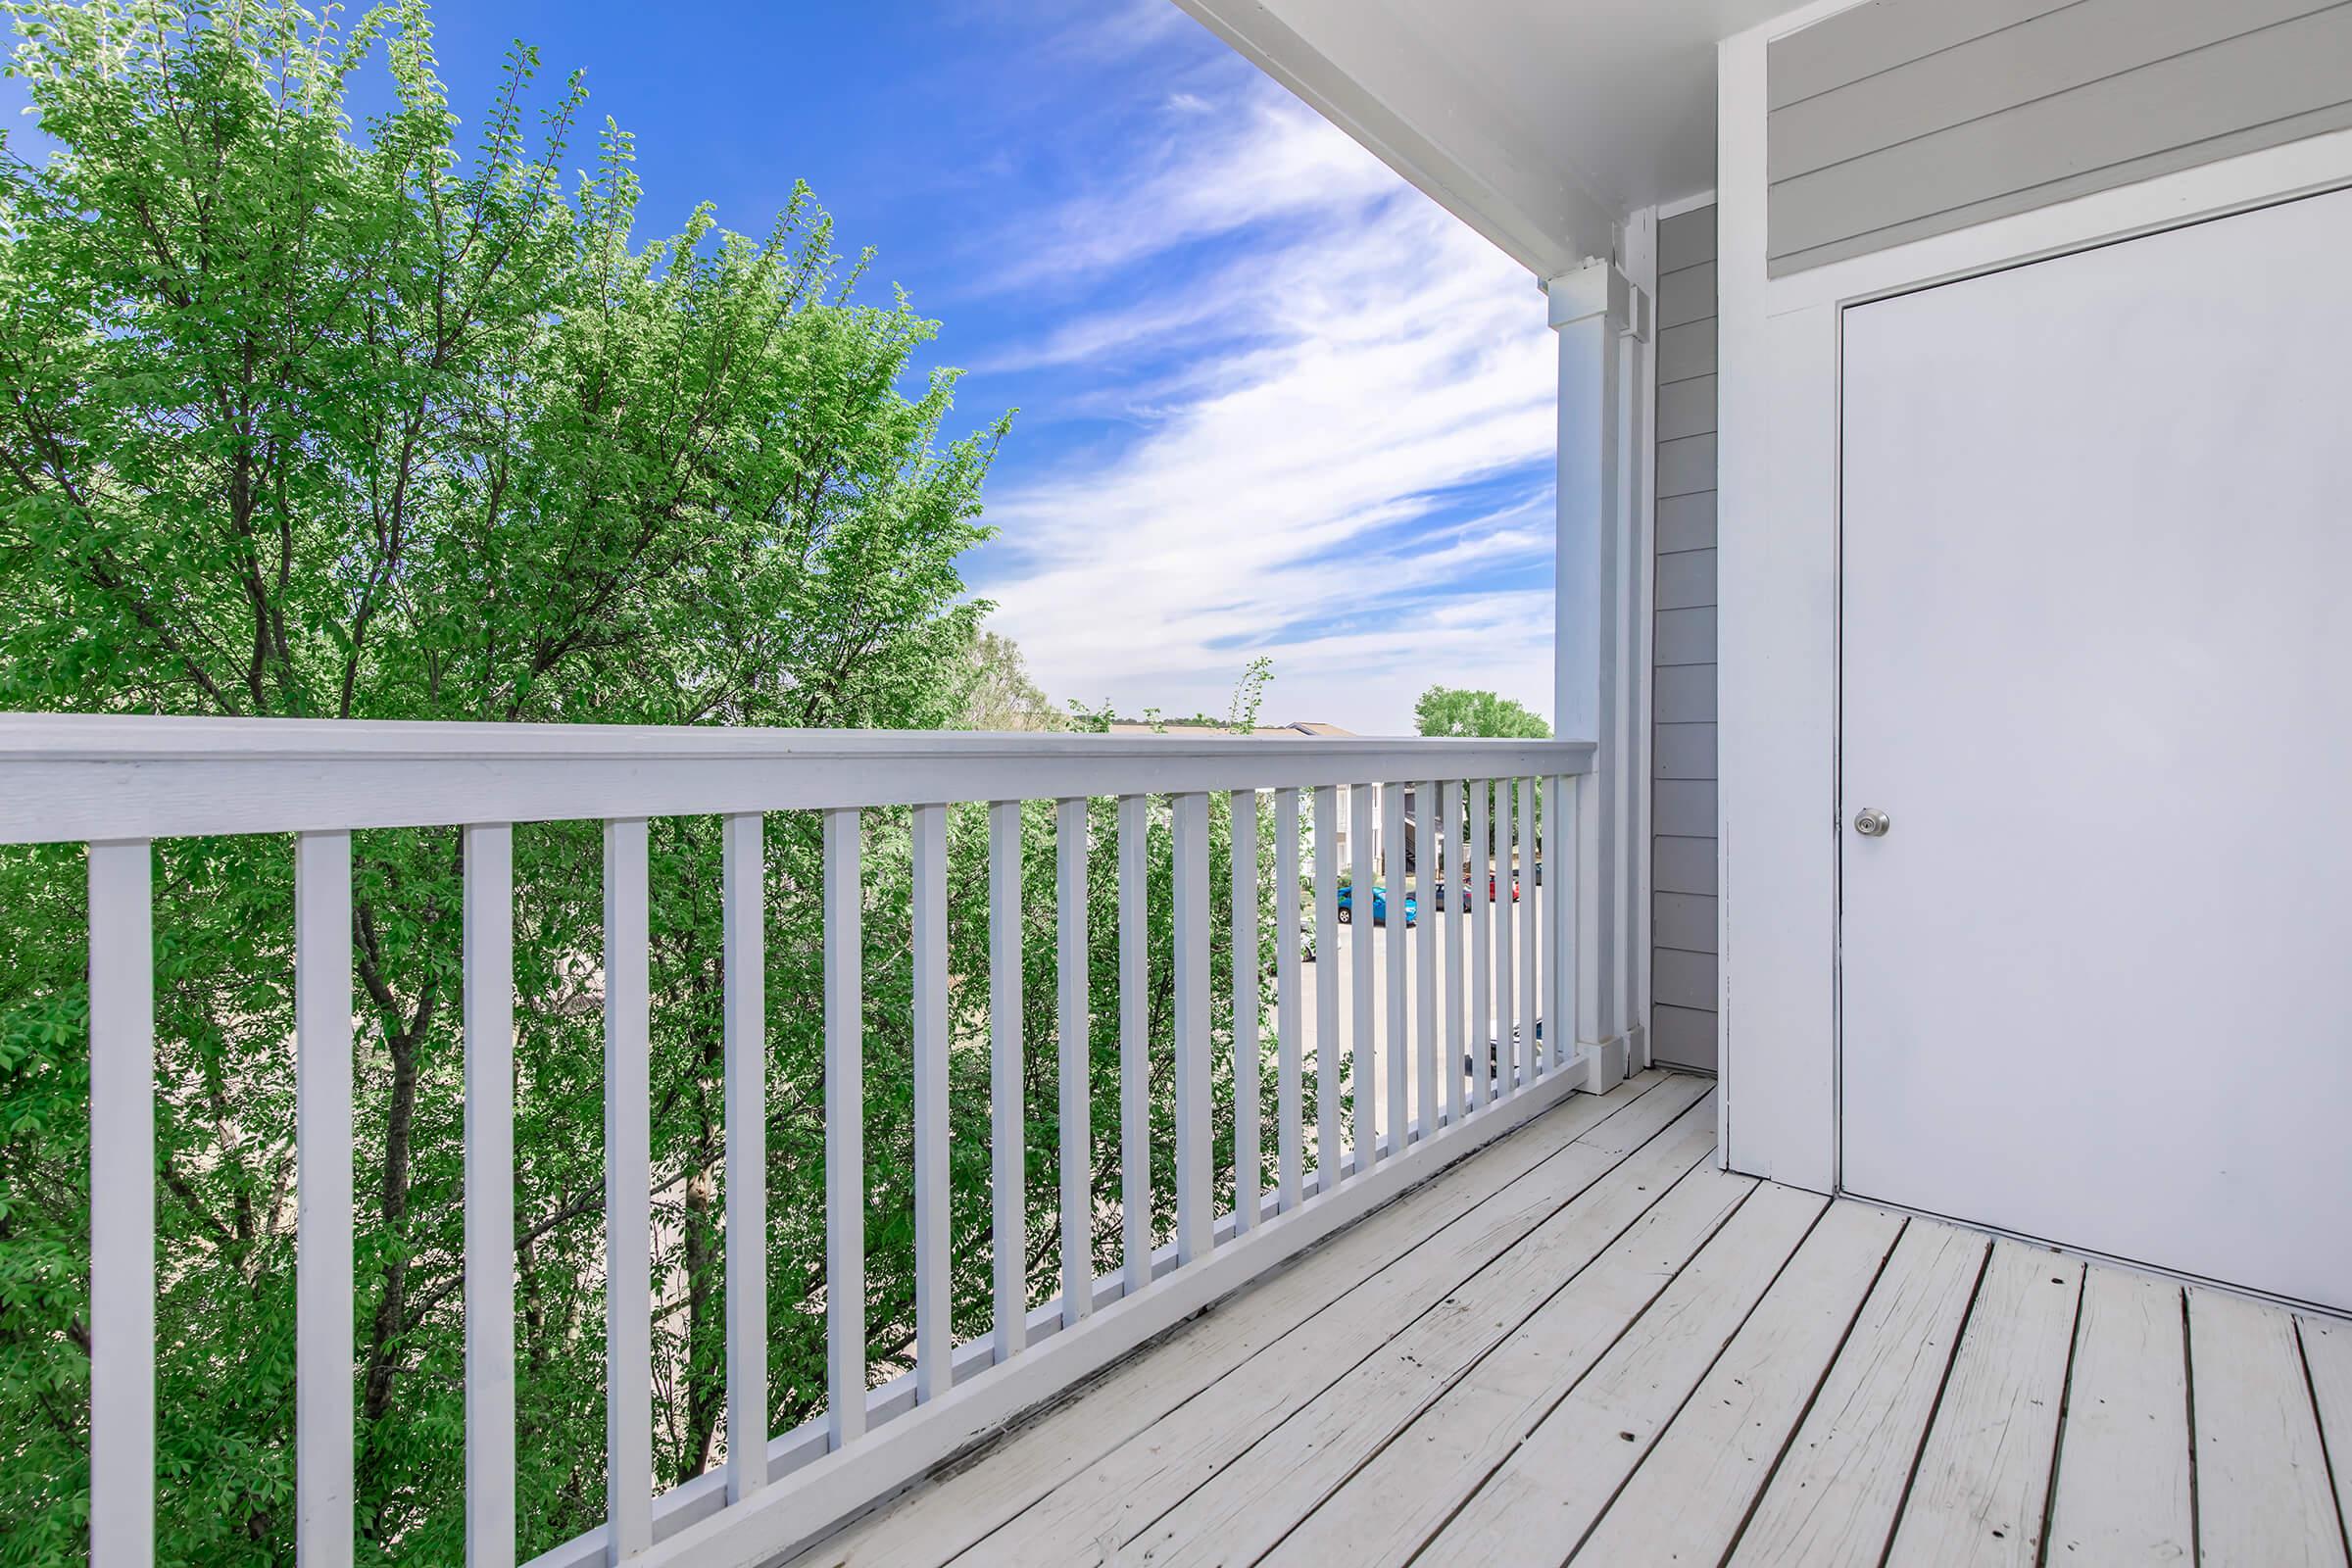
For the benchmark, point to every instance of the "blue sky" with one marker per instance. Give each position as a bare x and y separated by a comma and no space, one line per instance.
1271,399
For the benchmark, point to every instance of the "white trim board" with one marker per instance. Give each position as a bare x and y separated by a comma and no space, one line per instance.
1778,563
1684,204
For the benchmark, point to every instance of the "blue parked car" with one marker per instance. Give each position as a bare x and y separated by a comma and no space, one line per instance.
1380,906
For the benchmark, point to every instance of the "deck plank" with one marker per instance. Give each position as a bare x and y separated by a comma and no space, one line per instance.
1369,1344
1251,1506
1835,1497
2263,1494
2122,1465
1981,1492
2327,1355
1454,1378
1687,1500
1554,1484
948,1513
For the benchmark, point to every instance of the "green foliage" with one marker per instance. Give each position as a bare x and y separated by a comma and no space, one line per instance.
1001,695
1452,711
1249,695
312,420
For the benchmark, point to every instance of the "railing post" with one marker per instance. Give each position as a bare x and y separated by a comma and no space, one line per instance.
123,1206
1592,309
489,948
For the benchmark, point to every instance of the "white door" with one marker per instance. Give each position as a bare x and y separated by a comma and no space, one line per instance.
2096,649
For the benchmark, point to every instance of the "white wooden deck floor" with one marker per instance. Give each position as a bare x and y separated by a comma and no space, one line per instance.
1587,1343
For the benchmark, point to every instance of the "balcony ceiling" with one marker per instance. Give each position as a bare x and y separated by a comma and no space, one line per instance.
1538,123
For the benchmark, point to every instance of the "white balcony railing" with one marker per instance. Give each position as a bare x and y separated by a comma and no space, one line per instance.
1487,976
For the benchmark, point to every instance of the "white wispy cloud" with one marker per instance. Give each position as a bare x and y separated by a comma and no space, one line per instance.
1319,392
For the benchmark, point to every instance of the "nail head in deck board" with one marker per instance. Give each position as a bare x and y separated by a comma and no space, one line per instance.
1554,1484
2262,1476
2122,1465
1185,1477
1834,1495
1615,1250
951,1513
1981,1487
1698,1480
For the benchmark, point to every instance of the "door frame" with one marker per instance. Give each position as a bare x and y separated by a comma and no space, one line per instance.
1781,584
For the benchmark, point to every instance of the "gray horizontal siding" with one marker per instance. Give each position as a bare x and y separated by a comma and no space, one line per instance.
1685,810
1684,982
1684,865
1876,37
1899,120
1685,750
1685,693
1682,1034
1687,522
1684,922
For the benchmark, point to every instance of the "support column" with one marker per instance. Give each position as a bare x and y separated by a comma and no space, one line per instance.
1596,694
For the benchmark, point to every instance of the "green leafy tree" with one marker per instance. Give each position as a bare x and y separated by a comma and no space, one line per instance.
309,418
1001,695
1454,710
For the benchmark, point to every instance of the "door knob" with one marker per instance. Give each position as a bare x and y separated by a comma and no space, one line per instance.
1871,823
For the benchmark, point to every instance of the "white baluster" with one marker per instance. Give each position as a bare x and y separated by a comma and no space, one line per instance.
1481,940
1196,1211
1425,964
1458,1001
1559,909
628,1198
1330,1032
123,1206
1392,1066
1364,874
1289,1092
1249,1149
1008,1115
1077,1160
1135,1042
1532,897
934,1326
322,1268
844,1129
489,1014
744,945
1506,911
